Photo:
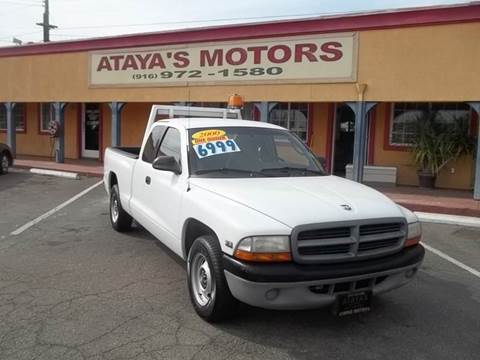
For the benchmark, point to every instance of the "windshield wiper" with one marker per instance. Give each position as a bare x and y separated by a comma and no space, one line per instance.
225,169
292,168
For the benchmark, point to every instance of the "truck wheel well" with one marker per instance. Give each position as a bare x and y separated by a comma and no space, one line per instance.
112,180
193,230
9,157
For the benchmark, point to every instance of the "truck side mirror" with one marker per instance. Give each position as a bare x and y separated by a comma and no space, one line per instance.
167,163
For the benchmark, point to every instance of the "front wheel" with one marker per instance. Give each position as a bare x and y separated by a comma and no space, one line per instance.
4,163
208,287
120,219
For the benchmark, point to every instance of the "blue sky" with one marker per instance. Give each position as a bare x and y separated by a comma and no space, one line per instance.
93,18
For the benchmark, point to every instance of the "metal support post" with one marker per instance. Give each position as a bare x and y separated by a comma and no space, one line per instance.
116,108
361,109
11,128
264,108
59,113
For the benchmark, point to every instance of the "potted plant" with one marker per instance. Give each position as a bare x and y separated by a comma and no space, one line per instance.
438,142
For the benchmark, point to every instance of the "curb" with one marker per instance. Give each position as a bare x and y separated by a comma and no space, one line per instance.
62,174
448,219
83,173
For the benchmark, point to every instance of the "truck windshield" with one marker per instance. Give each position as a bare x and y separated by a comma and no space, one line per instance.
239,152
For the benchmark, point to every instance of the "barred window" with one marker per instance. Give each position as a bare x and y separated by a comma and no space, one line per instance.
46,114
405,116
292,116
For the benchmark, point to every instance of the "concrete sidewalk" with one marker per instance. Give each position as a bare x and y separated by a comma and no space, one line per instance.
442,201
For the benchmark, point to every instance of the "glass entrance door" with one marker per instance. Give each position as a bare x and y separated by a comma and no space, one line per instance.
344,135
91,130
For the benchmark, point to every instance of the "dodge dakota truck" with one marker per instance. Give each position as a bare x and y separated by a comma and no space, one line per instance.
256,217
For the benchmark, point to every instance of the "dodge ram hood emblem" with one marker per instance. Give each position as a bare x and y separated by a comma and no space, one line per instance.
346,207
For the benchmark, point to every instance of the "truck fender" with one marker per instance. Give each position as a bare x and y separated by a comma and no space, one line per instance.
111,180
192,229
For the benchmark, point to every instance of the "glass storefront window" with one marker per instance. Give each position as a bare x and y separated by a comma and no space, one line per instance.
405,117
46,114
292,116
18,115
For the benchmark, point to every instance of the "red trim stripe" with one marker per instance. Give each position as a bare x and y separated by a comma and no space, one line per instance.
371,137
366,21
255,113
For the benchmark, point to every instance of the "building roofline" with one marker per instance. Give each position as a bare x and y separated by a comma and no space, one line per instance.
385,19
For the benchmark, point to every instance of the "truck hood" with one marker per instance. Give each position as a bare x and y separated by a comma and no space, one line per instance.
296,201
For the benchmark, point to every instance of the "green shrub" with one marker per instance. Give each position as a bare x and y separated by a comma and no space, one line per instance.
438,142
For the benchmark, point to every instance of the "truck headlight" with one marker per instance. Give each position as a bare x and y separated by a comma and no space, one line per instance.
414,234
274,248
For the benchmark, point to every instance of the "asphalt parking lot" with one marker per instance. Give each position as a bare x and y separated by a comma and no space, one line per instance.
72,288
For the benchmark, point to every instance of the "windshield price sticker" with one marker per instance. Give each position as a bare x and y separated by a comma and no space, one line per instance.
216,148
213,142
204,136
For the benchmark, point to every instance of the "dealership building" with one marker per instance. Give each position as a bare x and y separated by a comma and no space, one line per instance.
347,85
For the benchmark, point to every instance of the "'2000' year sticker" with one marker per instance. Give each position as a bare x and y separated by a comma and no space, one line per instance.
213,142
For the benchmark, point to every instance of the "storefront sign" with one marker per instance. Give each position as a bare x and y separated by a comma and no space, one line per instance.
310,59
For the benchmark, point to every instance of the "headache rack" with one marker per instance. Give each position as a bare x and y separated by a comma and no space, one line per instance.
161,112
164,112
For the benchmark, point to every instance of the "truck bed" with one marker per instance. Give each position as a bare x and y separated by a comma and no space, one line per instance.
131,152
121,162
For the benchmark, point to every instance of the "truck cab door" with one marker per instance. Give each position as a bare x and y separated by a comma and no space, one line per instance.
160,192
140,204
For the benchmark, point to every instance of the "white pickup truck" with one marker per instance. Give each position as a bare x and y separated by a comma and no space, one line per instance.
256,217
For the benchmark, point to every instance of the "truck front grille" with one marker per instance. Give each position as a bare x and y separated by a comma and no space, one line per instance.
344,241
366,230
373,245
324,233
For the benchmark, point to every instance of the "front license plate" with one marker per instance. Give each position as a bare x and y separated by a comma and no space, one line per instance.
353,303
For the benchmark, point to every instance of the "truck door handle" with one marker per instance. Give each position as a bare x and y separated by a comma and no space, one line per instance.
148,180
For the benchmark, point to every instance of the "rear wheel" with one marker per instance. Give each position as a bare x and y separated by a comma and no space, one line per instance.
4,163
208,287
120,219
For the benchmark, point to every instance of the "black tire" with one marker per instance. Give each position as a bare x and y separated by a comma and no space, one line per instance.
120,219
4,163
221,304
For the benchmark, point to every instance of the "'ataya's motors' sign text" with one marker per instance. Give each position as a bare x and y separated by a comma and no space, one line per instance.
312,59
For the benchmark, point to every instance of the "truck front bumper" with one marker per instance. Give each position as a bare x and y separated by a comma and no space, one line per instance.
295,286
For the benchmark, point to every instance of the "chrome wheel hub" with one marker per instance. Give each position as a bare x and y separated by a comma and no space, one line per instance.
203,284
114,210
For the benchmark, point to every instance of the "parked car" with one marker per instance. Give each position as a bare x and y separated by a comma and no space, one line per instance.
6,158
258,220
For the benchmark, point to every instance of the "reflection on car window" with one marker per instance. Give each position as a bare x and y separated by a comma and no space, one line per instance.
151,145
290,152
171,144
